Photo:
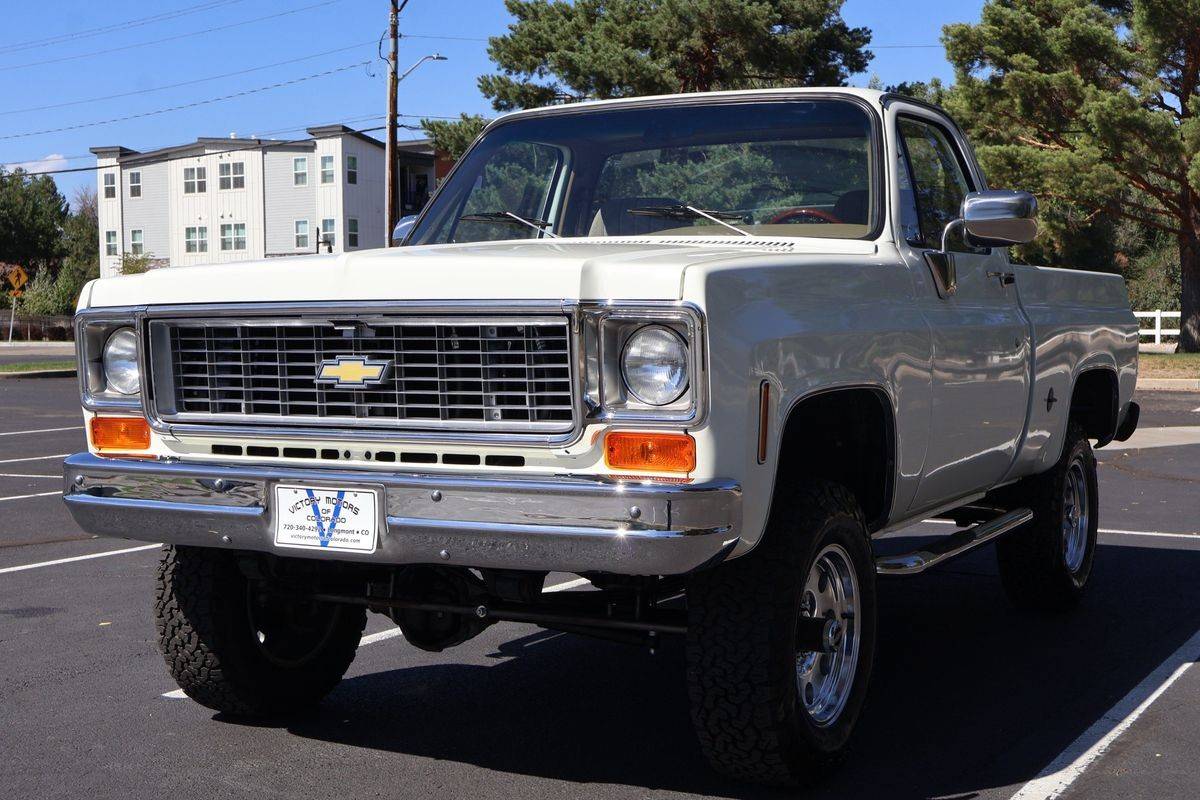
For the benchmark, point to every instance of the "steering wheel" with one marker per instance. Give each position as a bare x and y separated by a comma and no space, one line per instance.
805,216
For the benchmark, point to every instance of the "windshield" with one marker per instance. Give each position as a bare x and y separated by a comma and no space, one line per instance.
780,168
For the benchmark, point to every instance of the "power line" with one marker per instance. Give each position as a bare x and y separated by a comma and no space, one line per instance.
208,101
88,33
181,83
448,38
166,159
304,127
275,131
168,38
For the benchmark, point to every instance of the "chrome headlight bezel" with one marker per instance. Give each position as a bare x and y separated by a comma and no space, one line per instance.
607,329
93,332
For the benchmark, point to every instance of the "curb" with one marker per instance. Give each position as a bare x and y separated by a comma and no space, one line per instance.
1168,384
37,344
40,373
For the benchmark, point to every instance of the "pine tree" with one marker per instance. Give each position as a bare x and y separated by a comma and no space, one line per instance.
1092,104
559,51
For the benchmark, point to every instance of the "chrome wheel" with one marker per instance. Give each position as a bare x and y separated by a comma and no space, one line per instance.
1075,520
824,679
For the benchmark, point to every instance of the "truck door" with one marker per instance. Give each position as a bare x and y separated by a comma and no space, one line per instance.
980,369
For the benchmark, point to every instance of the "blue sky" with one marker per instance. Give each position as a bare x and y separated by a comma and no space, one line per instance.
48,57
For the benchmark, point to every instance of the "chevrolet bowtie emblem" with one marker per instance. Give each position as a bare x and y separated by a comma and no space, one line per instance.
354,372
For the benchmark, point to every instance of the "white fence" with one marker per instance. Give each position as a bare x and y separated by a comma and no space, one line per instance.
1158,331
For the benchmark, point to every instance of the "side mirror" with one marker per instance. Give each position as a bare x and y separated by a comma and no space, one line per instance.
999,217
402,229
995,218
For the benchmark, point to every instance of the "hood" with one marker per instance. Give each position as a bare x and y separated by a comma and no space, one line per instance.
588,269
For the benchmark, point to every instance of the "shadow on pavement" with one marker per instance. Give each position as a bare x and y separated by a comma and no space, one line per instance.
968,695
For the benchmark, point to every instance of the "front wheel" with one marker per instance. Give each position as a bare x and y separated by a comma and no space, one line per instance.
1045,564
236,649
780,642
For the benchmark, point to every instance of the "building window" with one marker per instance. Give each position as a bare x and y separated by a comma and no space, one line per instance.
352,232
195,240
136,242
233,237
328,236
301,234
326,169
110,186
300,171
195,180
232,175
135,184
351,169
110,243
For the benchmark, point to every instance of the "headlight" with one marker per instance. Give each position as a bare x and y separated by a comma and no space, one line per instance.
120,362
654,365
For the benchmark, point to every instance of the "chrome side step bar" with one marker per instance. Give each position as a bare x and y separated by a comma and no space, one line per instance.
952,546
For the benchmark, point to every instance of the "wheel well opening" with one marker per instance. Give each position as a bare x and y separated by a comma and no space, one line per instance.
1094,404
845,436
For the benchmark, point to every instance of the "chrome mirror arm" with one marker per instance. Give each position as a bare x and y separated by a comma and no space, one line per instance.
950,228
941,262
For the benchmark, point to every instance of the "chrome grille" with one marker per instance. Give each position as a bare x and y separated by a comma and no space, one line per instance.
502,374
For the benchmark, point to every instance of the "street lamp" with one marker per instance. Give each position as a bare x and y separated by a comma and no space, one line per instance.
422,60
393,195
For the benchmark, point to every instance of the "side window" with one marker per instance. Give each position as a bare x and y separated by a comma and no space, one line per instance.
937,180
517,178
910,219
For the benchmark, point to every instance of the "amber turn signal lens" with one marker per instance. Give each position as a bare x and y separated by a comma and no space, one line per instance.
654,452
122,434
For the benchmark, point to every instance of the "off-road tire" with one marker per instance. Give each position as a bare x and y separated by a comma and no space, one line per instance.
741,643
1032,561
212,648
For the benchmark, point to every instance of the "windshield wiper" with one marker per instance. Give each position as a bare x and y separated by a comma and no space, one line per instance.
509,218
683,212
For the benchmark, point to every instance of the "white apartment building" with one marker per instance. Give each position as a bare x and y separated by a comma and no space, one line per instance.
218,200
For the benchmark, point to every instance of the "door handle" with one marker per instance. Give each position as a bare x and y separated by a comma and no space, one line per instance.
1006,278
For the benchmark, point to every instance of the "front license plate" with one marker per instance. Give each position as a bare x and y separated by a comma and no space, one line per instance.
324,518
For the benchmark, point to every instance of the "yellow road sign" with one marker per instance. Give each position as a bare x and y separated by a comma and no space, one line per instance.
16,276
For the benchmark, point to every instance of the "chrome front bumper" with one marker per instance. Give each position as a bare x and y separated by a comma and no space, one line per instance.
559,524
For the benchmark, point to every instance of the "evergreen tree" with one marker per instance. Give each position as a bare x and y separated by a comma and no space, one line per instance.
1092,105
32,215
453,137
559,51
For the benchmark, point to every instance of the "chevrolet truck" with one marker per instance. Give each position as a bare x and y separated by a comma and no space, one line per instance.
701,351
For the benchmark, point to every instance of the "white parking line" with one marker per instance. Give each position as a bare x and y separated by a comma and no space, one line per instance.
23,567
1058,776
43,430
32,458
1195,536
392,633
22,475
27,496
372,638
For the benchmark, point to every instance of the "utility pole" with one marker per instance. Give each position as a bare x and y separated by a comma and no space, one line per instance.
393,188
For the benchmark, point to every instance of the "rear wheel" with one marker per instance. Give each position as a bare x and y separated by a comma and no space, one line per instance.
780,642
237,649
1045,564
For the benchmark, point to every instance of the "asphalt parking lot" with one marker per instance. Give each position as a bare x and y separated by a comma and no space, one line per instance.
970,699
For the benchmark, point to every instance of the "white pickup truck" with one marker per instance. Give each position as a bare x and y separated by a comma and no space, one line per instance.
700,350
